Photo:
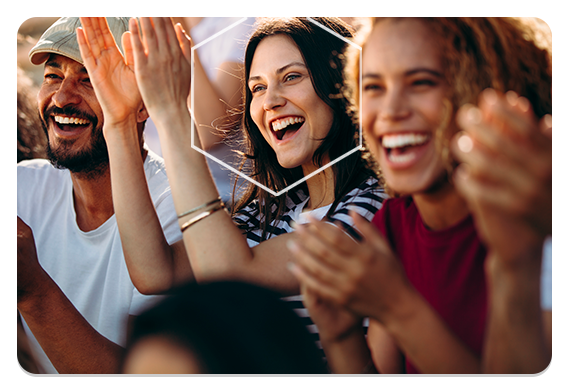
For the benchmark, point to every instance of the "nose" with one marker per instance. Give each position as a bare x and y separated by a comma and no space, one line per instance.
273,98
395,105
66,94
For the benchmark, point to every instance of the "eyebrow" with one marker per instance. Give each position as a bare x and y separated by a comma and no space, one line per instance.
281,69
55,64
408,73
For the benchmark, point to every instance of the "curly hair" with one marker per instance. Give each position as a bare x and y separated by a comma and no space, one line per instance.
478,53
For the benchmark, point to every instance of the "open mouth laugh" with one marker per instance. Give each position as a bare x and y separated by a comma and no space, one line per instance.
285,127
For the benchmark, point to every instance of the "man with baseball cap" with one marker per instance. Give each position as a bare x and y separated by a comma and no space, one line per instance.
74,291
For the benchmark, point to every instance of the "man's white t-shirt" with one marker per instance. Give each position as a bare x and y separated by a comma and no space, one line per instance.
89,267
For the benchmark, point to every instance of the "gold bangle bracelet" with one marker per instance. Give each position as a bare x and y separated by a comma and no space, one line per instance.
219,199
201,216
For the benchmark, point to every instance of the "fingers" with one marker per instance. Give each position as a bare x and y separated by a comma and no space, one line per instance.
184,41
128,48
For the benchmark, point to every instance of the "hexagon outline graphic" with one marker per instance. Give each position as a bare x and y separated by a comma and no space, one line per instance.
239,173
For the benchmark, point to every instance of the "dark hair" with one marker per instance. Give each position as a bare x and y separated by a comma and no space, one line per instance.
323,53
232,328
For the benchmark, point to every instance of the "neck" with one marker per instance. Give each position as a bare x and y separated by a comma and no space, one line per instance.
321,188
92,197
442,208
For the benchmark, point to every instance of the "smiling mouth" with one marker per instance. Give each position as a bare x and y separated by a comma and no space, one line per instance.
286,126
69,124
400,148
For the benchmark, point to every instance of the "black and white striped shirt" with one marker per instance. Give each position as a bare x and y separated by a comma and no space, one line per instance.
366,199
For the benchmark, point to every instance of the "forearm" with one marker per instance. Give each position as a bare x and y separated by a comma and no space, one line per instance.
70,342
214,244
515,340
148,255
426,340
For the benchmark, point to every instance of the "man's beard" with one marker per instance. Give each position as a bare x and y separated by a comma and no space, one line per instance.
89,162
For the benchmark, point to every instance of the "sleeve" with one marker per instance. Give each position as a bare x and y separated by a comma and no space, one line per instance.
365,200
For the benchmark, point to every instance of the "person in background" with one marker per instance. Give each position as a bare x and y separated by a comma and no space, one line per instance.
221,327
450,271
75,295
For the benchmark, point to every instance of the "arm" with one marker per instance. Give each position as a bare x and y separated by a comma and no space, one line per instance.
367,279
70,342
506,178
154,266
216,247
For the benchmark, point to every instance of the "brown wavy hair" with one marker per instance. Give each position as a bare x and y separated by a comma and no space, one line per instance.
478,53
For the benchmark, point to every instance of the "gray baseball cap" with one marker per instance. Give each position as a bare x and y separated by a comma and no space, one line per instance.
61,39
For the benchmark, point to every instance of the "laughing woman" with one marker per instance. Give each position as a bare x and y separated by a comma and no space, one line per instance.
450,277
295,121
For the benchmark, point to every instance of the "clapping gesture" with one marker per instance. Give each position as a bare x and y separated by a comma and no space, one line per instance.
161,53
111,73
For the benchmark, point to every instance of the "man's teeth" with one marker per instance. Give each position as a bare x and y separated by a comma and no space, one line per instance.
283,123
403,140
70,120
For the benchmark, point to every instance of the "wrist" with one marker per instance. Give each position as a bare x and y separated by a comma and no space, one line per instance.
351,334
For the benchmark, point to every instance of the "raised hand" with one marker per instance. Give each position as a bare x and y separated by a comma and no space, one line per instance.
506,170
161,55
111,74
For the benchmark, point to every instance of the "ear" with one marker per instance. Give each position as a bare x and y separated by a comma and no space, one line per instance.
142,114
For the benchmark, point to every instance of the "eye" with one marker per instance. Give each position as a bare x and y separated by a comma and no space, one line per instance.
256,88
292,76
422,83
51,76
372,87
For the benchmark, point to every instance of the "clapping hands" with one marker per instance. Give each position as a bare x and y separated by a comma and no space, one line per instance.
153,72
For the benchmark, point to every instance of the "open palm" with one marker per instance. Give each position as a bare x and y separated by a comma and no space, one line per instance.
111,74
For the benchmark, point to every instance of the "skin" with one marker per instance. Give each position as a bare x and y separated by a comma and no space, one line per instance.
403,92
281,88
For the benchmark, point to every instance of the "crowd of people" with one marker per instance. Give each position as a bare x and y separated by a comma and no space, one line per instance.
423,246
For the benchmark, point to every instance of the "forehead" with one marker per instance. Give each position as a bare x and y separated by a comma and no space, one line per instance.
274,52
65,64
401,45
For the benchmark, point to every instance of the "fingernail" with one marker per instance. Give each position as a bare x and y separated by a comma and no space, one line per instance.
474,115
291,266
291,245
490,96
523,104
465,143
512,97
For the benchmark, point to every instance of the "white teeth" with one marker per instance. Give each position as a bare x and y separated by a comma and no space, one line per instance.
70,120
401,158
283,123
403,140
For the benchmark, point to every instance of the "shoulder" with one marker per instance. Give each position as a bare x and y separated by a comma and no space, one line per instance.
39,173
365,199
